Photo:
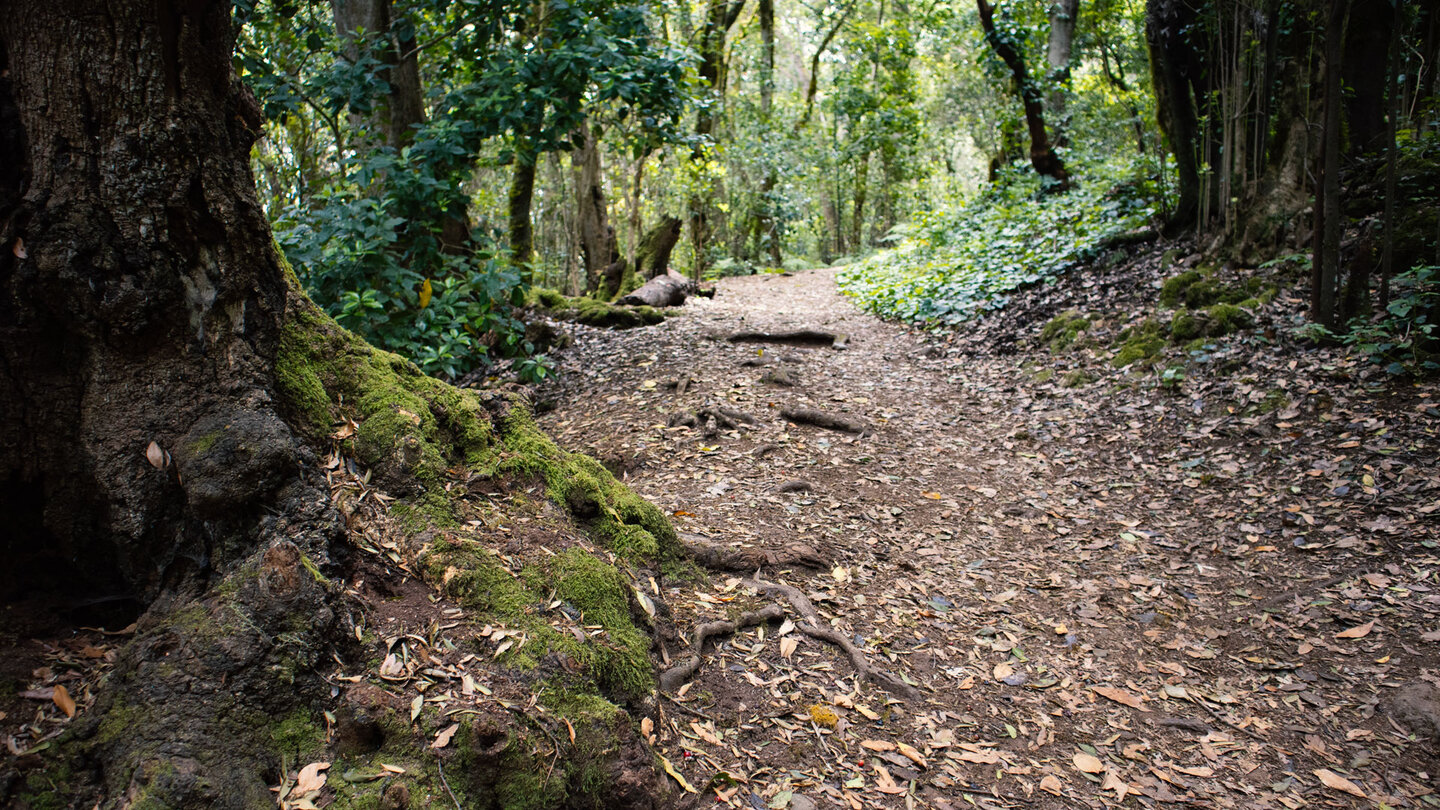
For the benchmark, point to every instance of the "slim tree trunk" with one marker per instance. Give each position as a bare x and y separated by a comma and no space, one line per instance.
719,16
765,220
1326,263
1176,110
1042,156
857,221
598,245
1064,15
396,114
520,230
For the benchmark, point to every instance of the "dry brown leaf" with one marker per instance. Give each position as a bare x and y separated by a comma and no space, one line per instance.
1002,671
310,779
704,733
1050,784
911,754
395,769
19,249
1335,781
62,698
1360,631
1204,770
1120,696
787,647
1087,763
982,757
415,706
877,745
647,729
156,456
443,738
1115,783
885,783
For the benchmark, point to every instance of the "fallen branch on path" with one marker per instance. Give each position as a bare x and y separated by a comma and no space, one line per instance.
747,560
812,627
828,421
797,337
711,418
672,678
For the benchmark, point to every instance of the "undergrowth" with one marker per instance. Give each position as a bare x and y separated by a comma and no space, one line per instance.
952,265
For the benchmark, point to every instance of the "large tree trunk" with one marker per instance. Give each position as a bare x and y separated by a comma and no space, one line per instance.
1325,274
1043,157
141,307
1367,50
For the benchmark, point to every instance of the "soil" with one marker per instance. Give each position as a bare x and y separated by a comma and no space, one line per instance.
1206,592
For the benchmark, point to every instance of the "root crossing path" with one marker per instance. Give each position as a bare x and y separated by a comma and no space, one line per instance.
1083,622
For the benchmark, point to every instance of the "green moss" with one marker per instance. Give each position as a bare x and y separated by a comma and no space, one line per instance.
1077,379
1172,292
1061,332
1223,319
595,312
1044,375
297,734
1274,400
203,444
1139,344
617,661
119,721
627,524
1185,326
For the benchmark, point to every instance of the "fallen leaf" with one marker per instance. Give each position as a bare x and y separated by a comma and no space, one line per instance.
1002,671
1204,770
157,457
443,738
911,754
787,647
395,769
1360,631
1115,783
674,774
1120,696
1335,781
19,249
877,745
310,779
415,706
841,573
647,729
426,291
982,757
885,783
1087,763
62,698
1050,784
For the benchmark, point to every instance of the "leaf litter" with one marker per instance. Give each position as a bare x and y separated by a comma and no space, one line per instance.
1106,594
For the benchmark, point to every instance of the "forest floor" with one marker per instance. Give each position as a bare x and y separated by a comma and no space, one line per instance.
1106,591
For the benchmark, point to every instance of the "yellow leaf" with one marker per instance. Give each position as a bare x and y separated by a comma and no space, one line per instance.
426,290
1357,632
1335,781
841,573
674,774
62,698
1120,696
1087,763
911,754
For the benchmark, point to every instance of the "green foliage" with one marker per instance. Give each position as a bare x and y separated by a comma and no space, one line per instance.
1405,338
950,267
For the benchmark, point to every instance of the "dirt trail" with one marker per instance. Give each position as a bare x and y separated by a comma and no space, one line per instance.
1091,615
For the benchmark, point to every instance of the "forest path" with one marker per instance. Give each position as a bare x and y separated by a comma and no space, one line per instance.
1085,619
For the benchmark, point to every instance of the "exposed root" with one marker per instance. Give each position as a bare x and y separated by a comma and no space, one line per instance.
798,337
812,627
781,376
747,560
713,418
672,678
828,421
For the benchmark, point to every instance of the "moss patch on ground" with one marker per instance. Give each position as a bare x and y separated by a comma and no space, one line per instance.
1063,330
1139,344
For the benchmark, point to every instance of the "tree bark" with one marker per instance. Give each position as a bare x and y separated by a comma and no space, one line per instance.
1367,49
652,258
521,230
719,16
1042,156
396,115
1165,22
1326,263
1064,15
599,246
142,296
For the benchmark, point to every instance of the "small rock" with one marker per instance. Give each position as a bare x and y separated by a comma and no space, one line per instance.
396,797
1417,708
